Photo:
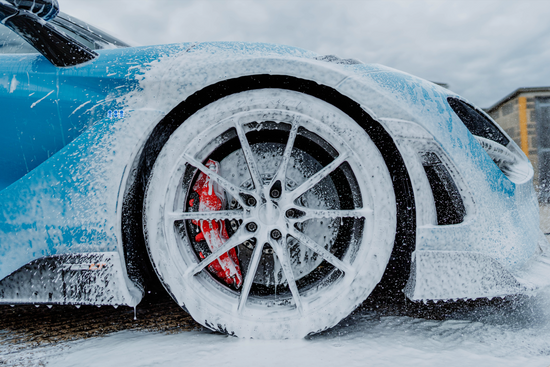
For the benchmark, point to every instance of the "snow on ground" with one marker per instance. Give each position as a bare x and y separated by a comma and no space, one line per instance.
516,334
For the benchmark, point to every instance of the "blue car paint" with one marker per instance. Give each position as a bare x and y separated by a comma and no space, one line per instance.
45,108
40,142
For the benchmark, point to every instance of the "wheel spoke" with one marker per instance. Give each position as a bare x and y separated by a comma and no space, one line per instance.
331,214
251,271
250,160
239,237
234,190
213,215
284,258
281,172
316,178
306,241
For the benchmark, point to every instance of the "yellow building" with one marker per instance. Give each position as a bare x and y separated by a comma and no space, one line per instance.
525,115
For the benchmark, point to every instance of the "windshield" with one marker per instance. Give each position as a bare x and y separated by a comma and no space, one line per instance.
88,35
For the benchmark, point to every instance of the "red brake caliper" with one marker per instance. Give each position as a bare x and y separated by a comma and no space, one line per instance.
214,232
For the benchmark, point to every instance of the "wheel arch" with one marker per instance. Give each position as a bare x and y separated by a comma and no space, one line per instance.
397,271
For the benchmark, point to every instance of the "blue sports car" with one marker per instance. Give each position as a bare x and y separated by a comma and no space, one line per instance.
269,189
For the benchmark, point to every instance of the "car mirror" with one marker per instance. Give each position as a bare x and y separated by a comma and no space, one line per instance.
60,49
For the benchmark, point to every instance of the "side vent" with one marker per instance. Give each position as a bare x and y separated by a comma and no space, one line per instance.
449,205
478,124
506,155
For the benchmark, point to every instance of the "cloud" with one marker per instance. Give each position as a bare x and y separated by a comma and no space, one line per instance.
483,49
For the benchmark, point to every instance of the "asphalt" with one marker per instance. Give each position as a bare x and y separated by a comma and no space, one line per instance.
28,326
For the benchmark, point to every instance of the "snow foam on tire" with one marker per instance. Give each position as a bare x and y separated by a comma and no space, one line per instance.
216,306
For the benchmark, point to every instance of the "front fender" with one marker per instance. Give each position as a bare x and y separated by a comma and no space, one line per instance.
70,203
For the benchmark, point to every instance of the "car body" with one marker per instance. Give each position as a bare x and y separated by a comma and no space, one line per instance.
95,156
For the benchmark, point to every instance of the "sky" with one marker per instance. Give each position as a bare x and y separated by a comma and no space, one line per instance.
483,49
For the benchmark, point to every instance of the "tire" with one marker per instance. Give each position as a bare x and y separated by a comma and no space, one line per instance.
307,201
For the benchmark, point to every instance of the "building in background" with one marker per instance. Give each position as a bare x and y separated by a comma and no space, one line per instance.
525,115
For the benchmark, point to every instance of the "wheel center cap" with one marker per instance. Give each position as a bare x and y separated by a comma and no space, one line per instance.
268,213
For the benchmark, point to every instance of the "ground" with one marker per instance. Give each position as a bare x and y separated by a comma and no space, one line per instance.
503,332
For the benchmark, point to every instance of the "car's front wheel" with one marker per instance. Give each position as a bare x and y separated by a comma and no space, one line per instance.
269,214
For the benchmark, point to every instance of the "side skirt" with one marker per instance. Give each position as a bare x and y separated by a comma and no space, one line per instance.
80,279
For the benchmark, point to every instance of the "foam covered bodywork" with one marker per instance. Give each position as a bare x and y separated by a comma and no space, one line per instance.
72,138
